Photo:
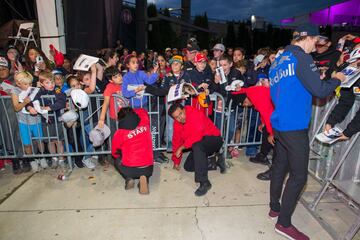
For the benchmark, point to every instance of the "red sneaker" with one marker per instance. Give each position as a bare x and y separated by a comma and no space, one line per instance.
290,232
273,215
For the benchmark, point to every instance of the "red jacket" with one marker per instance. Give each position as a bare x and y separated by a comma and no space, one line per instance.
197,126
260,98
136,144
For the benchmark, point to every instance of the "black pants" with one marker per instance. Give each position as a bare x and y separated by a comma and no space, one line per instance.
291,155
197,160
265,145
135,172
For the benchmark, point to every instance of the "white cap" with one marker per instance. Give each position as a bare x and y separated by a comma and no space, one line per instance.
69,116
258,59
98,135
234,85
219,46
80,98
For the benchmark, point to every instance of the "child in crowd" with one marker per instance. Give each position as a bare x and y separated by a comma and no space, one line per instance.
114,87
28,118
74,83
11,134
203,81
53,131
59,79
135,79
231,74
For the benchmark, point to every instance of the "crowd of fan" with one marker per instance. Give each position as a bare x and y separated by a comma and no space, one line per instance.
120,68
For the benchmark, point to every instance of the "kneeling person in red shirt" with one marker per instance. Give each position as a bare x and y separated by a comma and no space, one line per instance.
132,148
194,130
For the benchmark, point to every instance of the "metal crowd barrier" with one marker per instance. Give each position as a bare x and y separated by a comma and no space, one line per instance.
241,127
336,166
75,139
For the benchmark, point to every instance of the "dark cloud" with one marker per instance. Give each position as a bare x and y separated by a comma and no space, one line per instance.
272,10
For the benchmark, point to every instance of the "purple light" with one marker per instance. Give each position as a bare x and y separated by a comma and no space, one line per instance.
348,12
287,20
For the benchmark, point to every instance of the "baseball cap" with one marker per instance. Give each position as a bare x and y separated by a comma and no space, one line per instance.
167,49
306,30
199,57
4,62
219,46
80,98
258,59
176,58
57,71
193,47
98,135
69,118
234,85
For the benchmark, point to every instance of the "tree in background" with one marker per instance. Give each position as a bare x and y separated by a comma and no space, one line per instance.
230,39
202,37
154,37
168,35
243,36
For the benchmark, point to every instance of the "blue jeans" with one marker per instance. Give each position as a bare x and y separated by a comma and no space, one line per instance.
254,135
231,129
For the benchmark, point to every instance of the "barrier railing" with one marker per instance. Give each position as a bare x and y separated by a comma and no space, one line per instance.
241,127
336,165
75,139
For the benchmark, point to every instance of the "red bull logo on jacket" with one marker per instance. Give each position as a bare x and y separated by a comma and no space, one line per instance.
283,73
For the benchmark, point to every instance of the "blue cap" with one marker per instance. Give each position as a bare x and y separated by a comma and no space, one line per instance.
306,30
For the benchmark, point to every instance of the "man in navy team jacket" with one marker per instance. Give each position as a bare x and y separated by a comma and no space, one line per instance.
294,80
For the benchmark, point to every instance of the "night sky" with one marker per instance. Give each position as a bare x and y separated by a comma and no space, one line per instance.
272,10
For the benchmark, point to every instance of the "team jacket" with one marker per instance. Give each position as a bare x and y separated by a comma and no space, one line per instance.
197,126
294,79
133,142
342,109
261,100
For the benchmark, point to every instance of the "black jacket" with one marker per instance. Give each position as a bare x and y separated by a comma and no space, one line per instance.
327,59
233,75
342,109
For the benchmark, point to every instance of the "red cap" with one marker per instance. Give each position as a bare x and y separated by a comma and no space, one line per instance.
199,57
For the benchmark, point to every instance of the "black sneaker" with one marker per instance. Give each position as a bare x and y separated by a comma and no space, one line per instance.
221,163
260,158
16,166
161,158
203,189
129,183
265,176
26,167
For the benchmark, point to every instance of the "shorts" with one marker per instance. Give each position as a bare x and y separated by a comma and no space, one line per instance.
28,131
52,132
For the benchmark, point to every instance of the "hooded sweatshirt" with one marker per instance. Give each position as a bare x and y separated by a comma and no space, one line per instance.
261,99
132,141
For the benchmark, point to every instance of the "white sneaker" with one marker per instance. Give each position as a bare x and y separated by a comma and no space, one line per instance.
34,166
88,163
54,162
95,159
43,163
